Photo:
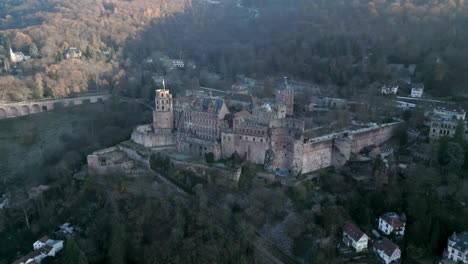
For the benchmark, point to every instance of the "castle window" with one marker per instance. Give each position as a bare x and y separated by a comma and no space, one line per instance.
163,107
254,139
261,140
157,107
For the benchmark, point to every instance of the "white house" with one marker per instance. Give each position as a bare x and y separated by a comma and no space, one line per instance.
353,236
52,246
392,223
18,56
390,89
40,243
387,251
457,248
178,64
417,90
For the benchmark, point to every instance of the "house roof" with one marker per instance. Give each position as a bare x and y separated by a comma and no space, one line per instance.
245,98
386,246
393,219
460,240
30,255
43,239
208,105
243,113
353,231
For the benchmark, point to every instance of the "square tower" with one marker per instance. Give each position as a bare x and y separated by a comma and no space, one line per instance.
163,111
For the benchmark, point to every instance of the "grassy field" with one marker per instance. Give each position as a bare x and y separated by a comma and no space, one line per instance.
31,146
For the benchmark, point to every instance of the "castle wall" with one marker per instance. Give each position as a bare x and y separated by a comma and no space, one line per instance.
317,155
144,135
372,136
163,120
107,161
250,148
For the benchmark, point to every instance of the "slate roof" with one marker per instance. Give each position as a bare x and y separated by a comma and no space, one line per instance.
204,104
386,246
353,231
43,239
461,241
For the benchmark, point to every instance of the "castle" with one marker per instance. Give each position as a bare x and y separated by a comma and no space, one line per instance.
268,135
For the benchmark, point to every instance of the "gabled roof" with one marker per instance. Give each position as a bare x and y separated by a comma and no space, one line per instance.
205,104
43,239
353,231
30,255
386,246
243,113
393,219
460,241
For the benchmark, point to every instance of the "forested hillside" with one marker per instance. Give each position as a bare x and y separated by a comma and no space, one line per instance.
45,29
346,43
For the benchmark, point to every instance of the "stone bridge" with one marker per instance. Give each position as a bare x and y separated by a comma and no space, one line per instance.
11,110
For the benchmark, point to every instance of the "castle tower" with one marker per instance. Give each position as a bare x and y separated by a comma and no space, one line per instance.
286,97
163,115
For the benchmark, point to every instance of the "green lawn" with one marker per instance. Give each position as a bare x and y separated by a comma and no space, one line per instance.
30,145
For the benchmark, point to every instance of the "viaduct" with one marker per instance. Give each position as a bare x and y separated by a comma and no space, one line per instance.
11,110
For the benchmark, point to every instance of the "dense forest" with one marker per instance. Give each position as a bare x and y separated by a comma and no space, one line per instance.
344,43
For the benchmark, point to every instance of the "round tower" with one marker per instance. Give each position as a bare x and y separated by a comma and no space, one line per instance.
163,114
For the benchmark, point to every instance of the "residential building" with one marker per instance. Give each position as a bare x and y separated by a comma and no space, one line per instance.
33,257
40,242
390,89
72,53
445,122
457,247
387,251
417,90
18,56
178,64
353,236
392,223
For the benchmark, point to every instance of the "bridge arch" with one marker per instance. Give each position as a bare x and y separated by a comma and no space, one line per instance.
14,112
25,110
44,108
36,109
3,113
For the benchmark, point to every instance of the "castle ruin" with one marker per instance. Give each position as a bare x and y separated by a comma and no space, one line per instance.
268,135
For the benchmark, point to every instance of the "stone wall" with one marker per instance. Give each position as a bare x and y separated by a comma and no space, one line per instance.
149,138
317,155
11,110
372,136
107,161
212,174
250,148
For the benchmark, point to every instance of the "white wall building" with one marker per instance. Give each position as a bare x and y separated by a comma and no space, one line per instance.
354,237
417,90
387,251
457,248
392,223
390,89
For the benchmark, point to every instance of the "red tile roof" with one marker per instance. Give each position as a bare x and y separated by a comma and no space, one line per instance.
393,219
30,255
43,239
353,231
385,245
